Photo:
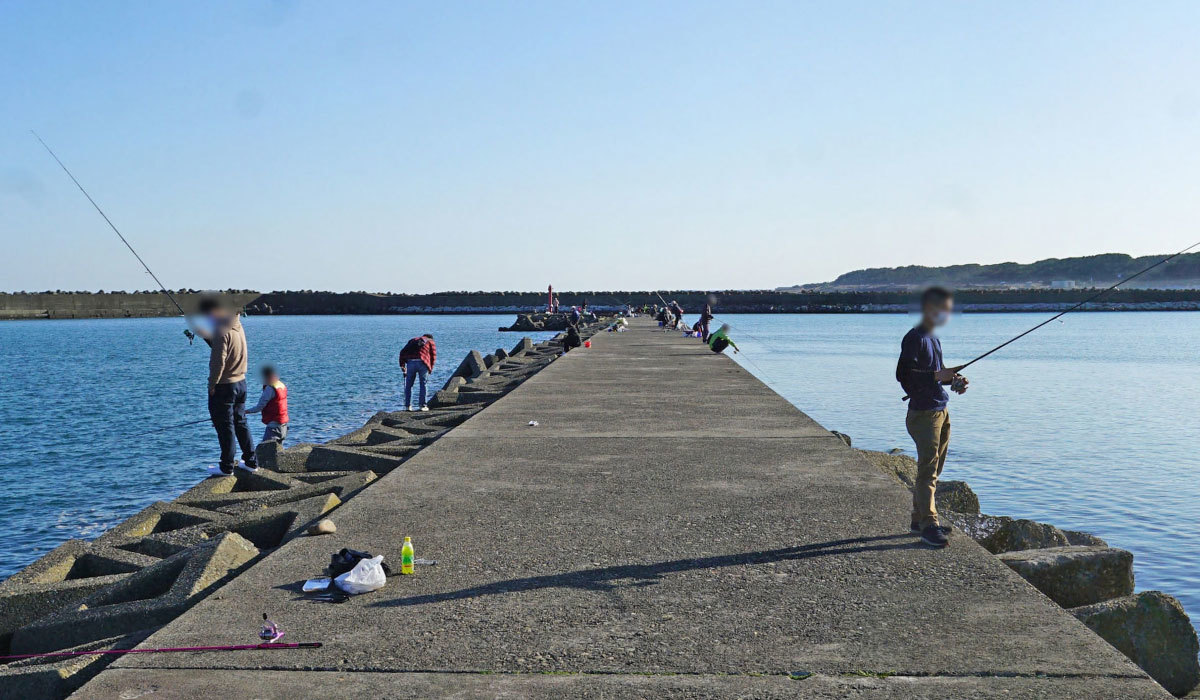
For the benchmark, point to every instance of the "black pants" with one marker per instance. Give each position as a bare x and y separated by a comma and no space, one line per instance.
227,408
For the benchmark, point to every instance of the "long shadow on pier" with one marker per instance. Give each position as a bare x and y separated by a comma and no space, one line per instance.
639,575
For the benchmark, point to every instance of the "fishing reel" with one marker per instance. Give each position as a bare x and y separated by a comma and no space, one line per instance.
270,632
959,384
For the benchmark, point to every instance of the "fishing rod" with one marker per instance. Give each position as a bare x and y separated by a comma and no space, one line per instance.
164,650
111,225
1090,299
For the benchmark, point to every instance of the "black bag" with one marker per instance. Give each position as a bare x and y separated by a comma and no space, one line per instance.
346,559
413,347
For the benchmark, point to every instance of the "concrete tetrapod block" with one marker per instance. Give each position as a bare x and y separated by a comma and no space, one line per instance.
342,487
267,453
382,435
444,398
336,457
453,384
158,518
69,573
472,366
153,596
1152,629
1075,576
340,483
289,460
523,346
268,528
354,437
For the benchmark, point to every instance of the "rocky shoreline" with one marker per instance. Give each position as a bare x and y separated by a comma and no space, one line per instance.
1079,572
116,590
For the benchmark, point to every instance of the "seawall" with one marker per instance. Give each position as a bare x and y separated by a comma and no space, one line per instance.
124,305
52,305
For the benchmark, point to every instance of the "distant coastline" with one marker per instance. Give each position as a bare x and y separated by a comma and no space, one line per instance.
1094,271
68,305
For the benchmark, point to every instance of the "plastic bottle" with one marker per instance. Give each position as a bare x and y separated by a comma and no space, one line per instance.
406,557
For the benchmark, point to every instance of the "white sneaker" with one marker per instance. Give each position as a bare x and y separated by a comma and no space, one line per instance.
424,408
408,408
242,465
215,470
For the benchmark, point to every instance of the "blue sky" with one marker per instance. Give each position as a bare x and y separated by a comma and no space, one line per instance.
605,145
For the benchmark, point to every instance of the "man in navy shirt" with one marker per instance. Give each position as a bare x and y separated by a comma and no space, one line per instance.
923,375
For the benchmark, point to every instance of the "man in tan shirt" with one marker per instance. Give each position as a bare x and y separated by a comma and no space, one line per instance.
227,385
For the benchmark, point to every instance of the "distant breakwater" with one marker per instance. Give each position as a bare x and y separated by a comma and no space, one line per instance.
66,305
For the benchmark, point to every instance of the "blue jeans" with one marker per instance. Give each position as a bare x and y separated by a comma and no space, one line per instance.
414,369
227,409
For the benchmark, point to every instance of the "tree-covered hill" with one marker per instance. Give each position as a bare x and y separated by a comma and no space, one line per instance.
1092,270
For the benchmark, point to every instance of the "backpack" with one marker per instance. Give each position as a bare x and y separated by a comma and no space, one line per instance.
413,347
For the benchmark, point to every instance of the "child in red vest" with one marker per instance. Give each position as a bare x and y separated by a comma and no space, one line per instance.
273,405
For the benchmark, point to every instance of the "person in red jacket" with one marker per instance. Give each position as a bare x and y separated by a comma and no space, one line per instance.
273,405
416,362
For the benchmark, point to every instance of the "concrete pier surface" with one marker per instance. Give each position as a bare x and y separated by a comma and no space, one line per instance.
671,528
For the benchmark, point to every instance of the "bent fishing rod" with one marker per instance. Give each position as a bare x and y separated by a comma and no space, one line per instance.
1090,299
113,226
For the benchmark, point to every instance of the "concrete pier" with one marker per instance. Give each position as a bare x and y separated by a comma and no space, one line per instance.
671,528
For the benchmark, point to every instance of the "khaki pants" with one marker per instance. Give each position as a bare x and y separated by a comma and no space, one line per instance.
930,431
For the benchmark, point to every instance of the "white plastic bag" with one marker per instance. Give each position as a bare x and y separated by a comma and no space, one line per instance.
367,575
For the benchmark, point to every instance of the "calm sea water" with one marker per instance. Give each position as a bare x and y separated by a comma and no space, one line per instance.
77,393
1090,424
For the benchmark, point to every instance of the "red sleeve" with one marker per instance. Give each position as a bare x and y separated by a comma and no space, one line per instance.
432,354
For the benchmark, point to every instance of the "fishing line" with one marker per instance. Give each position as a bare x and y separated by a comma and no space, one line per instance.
110,224
171,427
1090,299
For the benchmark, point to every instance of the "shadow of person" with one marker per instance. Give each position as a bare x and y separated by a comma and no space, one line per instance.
610,578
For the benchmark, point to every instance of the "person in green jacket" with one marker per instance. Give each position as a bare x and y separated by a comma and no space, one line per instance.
717,342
